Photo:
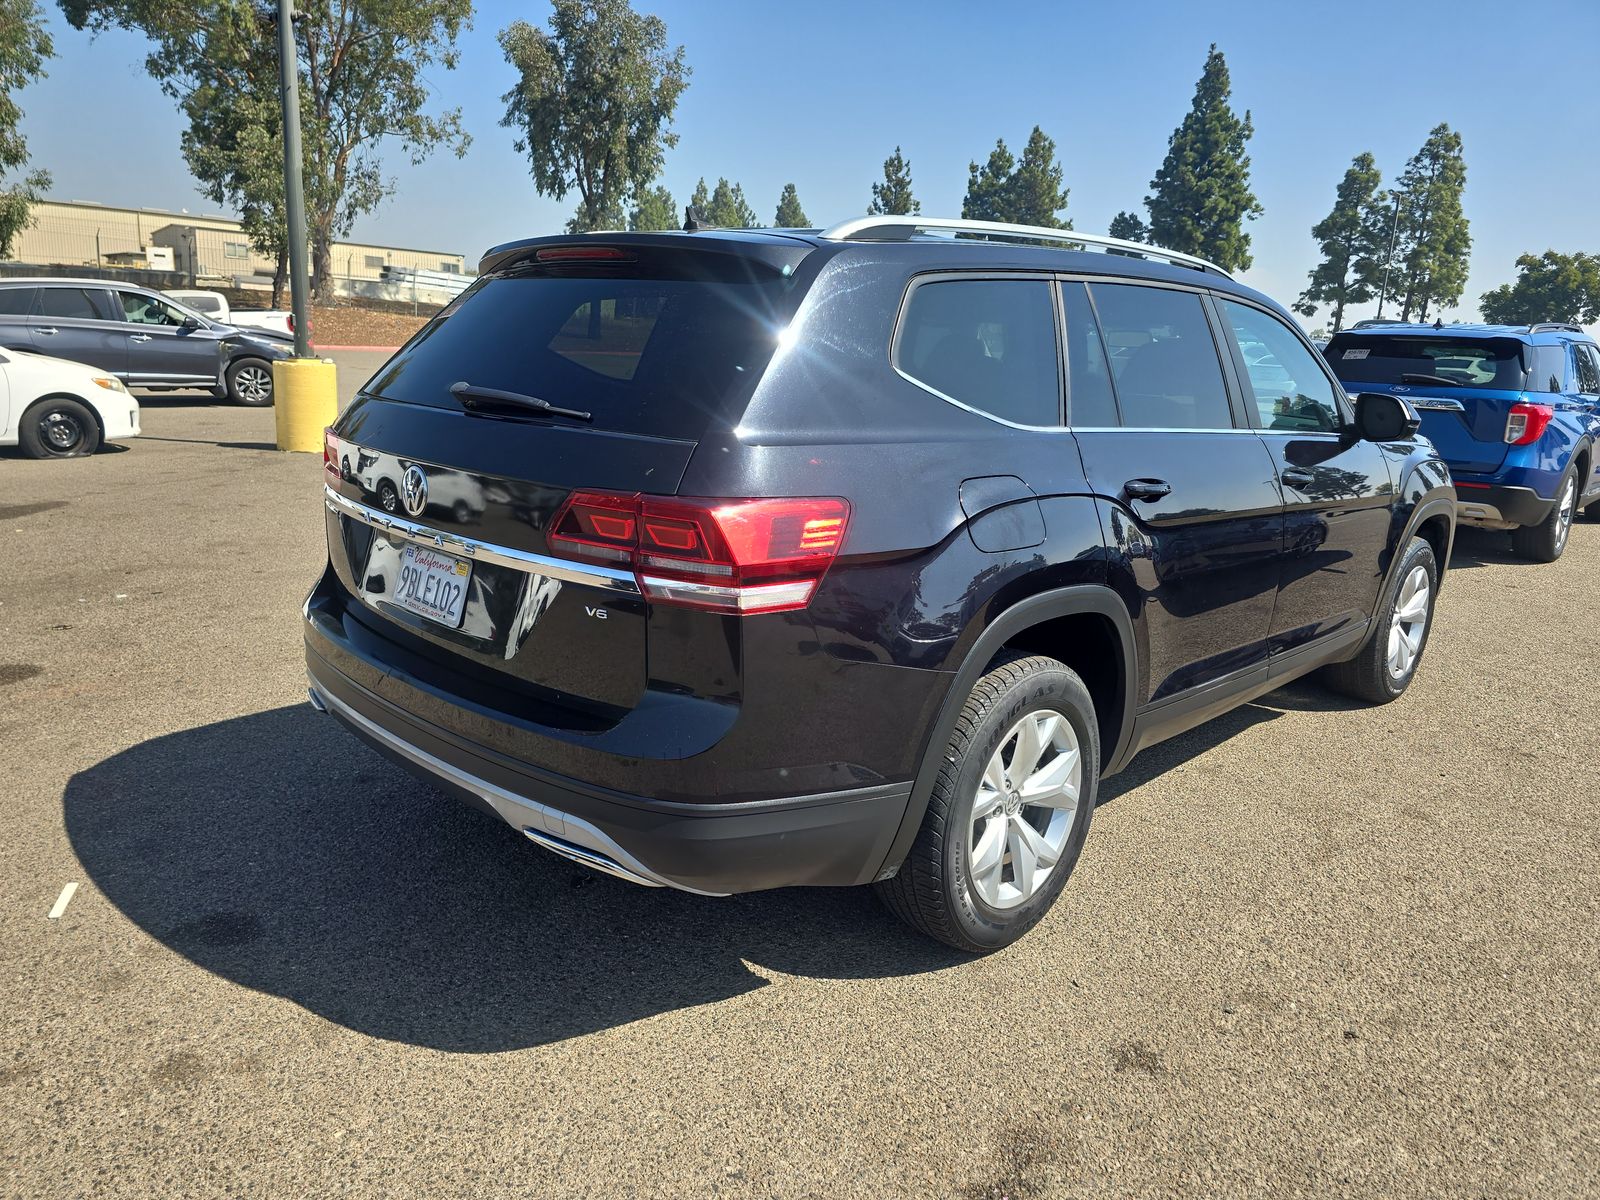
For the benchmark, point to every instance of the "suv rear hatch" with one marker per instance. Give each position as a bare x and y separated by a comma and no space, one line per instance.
642,347
1463,387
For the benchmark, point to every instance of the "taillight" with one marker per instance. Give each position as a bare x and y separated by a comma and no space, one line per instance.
736,556
596,525
1527,422
330,453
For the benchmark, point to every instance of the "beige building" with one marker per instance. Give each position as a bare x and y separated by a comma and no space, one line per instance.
77,233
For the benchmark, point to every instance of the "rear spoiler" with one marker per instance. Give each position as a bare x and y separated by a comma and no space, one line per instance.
772,250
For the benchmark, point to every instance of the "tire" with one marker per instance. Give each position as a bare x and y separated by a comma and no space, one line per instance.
942,888
1545,541
388,498
58,428
461,512
250,382
1388,659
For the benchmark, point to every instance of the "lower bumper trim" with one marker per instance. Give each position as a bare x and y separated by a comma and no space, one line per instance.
559,832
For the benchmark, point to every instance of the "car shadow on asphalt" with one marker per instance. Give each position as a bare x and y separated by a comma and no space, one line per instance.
1303,695
282,854
1483,548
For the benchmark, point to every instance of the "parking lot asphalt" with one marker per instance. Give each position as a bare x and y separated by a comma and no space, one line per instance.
1312,949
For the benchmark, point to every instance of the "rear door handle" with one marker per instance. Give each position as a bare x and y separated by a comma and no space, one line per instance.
1298,478
1146,489
46,329
138,337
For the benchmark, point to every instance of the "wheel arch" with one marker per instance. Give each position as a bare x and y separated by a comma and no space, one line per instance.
1040,624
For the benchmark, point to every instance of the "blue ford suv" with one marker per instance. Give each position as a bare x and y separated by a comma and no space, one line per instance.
1514,410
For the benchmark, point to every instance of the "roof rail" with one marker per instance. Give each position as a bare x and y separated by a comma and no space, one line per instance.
1555,327
902,229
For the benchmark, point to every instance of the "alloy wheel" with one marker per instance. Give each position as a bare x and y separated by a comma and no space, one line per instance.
1023,810
1410,623
1564,515
254,384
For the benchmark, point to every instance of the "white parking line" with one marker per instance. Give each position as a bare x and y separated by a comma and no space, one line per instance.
63,900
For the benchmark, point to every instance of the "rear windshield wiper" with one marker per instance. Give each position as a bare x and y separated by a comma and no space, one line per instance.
1435,380
472,395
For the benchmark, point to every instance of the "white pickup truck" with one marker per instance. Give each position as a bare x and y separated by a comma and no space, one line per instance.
215,306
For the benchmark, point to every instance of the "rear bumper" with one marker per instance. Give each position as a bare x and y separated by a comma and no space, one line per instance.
1499,506
834,839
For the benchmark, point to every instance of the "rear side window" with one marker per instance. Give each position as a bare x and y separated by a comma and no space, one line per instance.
989,344
1163,358
16,302
1548,369
1493,363
1588,373
1292,393
1090,403
73,303
664,357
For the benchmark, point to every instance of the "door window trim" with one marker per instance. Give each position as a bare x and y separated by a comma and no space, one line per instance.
923,278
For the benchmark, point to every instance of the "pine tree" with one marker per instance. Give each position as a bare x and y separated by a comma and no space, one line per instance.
1034,189
1128,226
988,188
893,196
1028,192
701,199
656,210
1434,236
790,215
1354,238
726,207
1200,198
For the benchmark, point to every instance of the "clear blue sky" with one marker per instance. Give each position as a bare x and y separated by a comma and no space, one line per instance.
820,94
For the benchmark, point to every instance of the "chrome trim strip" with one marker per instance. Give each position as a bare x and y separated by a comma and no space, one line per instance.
569,836
1436,404
504,556
860,228
745,597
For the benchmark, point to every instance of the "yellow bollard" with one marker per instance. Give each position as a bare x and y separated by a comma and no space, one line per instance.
305,400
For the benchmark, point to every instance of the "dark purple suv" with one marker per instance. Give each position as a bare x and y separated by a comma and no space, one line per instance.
735,560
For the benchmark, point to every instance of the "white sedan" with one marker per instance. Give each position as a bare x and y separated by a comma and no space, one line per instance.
53,408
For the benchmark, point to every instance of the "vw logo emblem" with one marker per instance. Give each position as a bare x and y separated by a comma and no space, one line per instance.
414,490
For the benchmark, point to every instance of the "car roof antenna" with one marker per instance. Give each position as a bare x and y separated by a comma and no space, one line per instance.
694,221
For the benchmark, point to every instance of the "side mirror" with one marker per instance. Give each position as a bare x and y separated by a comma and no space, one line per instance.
1381,417
190,323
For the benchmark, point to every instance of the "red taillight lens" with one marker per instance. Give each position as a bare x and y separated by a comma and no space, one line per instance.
1526,423
330,453
582,254
596,525
737,556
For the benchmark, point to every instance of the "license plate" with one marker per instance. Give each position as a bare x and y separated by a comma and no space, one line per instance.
433,585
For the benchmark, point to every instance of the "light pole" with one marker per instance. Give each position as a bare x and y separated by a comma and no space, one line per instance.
1388,259
294,193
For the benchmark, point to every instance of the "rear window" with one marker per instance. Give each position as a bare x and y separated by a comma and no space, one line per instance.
989,344
664,357
1494,363
16,302
74,303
